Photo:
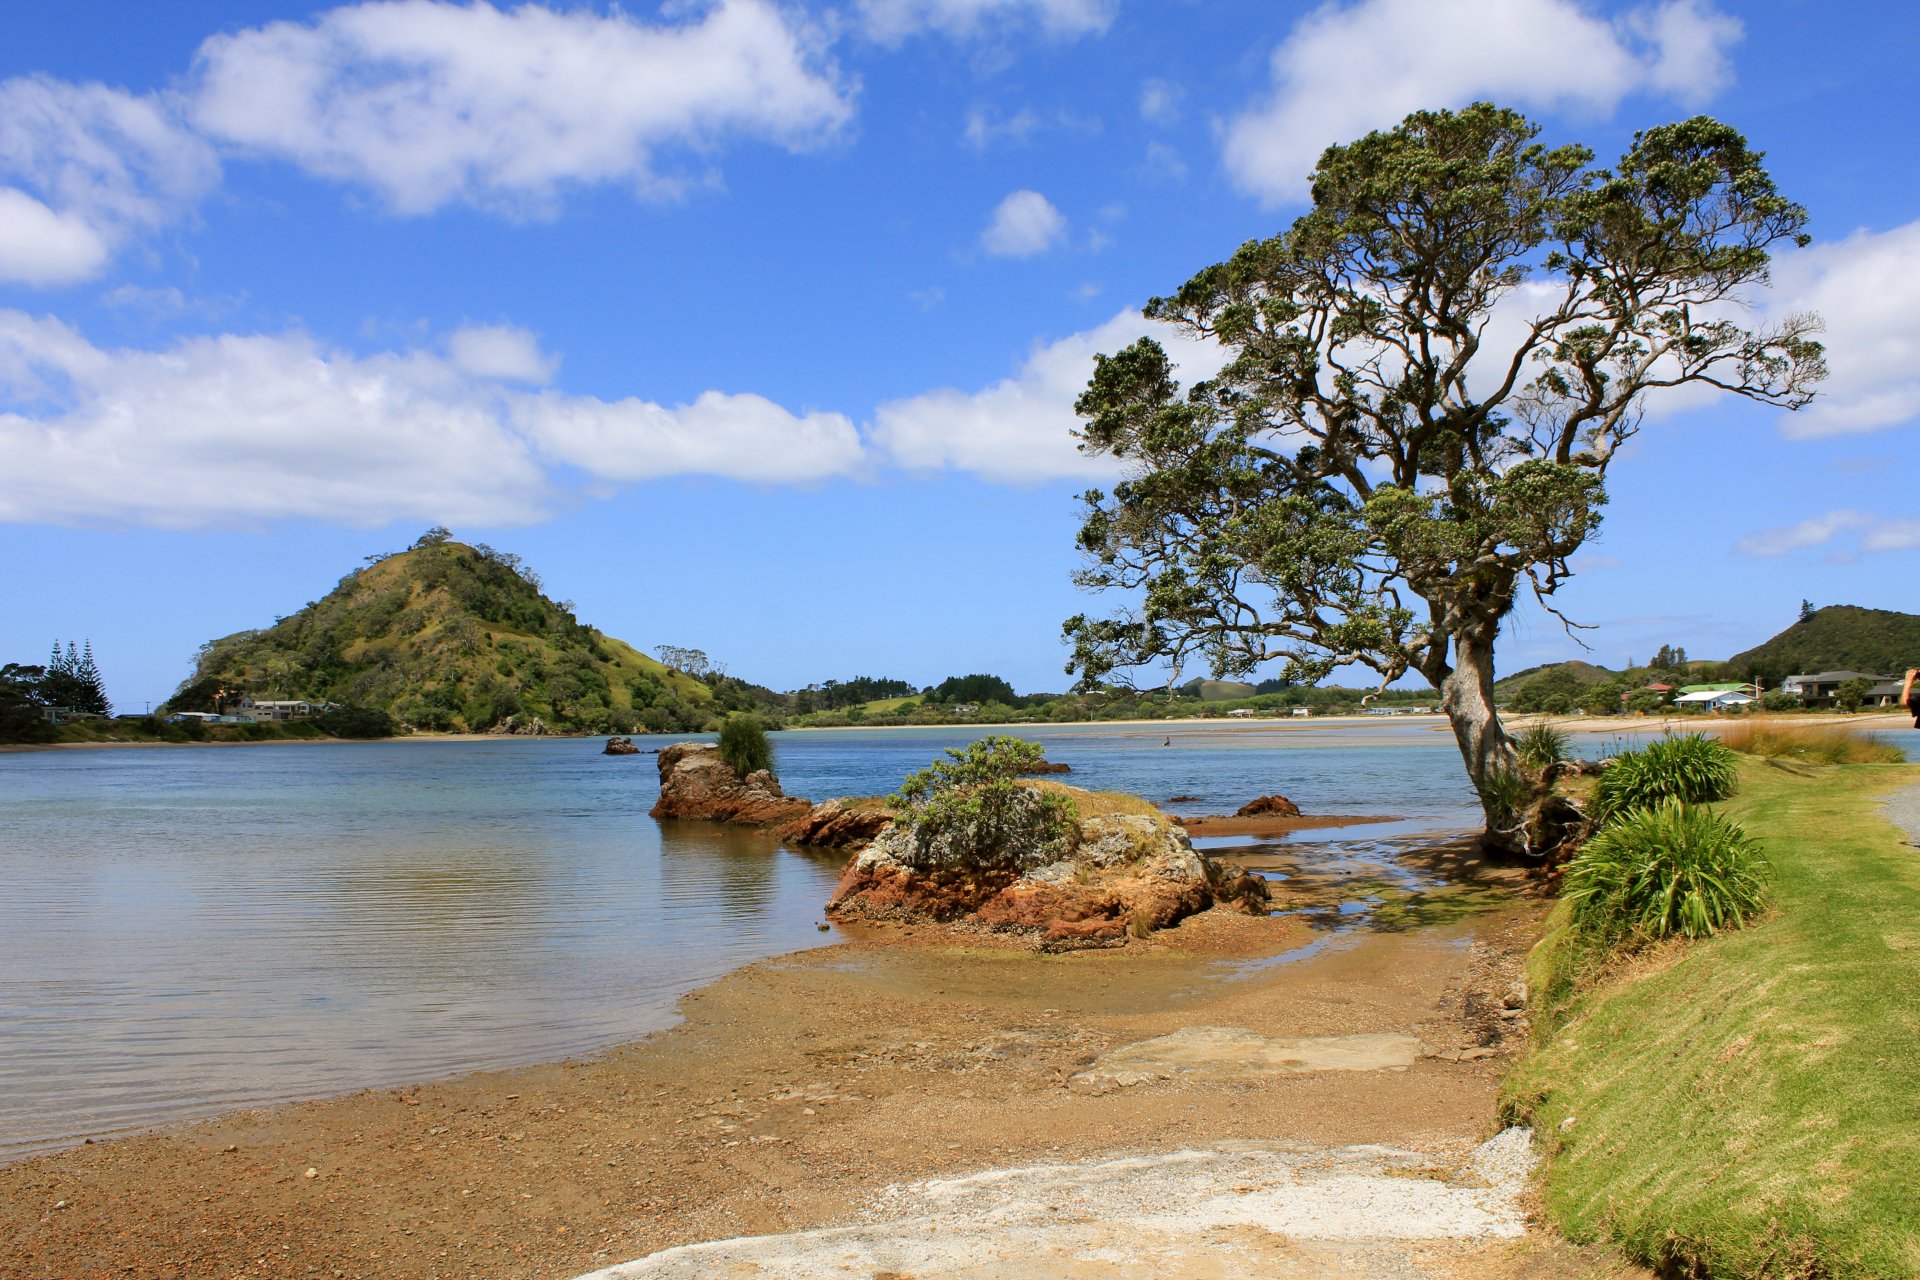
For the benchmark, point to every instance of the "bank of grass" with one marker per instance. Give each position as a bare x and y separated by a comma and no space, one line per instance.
1813,743
1748,1105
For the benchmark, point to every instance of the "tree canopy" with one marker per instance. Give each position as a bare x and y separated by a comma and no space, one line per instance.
1428,376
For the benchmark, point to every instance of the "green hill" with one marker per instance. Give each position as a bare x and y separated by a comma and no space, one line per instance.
1840,637
448,636
1571,672
1217,690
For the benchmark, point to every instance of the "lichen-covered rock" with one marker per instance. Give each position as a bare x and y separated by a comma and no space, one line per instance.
1107,879
837,824
695,782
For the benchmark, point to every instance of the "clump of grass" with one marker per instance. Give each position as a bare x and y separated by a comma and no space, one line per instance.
1542,746
1667,870
1688,767
1812,743
1095,804
1505,793
744,744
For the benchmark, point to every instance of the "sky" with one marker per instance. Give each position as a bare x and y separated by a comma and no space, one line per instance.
756,327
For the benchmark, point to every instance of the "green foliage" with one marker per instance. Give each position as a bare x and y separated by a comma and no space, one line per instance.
1851,694
446,636
355,722
970,808
1690,768
1341,485
1664,870
1504,794
974,688
1541,746
72,680
20,704
744,744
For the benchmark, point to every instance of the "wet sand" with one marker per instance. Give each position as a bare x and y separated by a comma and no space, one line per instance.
799,1087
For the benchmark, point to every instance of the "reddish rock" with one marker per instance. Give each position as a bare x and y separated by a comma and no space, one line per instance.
1268,806
695,782
1045,766
837,824
1117,877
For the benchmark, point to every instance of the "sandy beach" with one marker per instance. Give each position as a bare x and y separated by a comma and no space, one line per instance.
797,1089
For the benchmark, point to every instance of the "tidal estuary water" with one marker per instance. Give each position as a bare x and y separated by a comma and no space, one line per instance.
186,931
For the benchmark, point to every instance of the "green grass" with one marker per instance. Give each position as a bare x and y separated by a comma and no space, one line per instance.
1748,1105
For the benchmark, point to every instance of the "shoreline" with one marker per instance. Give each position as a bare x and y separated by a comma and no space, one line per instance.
795,1088
1584,725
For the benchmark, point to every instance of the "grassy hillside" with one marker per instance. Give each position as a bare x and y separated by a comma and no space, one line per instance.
445,636
1840,637
1575,671
1744,1105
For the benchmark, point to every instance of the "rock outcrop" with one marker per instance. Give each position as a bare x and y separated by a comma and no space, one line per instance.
1103,880
1045,766
696,782
620,747
1268,806
837,824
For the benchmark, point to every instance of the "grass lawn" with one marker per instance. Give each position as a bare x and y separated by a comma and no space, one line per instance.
1749,1105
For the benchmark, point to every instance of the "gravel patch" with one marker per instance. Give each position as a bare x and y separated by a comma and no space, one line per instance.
1903,810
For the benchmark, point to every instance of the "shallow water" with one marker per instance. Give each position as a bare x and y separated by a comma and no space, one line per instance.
187,931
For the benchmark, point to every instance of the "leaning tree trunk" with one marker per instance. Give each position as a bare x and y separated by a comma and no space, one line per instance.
1466,695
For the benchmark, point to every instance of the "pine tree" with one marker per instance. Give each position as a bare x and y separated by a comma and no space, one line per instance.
92,687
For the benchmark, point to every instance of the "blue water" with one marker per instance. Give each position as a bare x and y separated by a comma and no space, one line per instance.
186,931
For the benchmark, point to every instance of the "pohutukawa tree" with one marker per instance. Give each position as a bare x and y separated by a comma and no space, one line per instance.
1429,374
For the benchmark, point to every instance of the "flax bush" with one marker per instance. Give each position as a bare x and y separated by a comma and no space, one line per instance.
1690,768
1665,870
744,744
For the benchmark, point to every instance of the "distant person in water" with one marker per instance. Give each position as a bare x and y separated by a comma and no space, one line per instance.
1910,696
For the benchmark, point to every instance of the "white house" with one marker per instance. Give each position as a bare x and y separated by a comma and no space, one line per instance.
1714,699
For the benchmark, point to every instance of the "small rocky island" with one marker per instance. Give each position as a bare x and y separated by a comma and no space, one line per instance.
971,841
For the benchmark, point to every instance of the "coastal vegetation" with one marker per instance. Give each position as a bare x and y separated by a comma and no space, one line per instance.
1690,768
1343,492
1737,1105
744,744
1812,744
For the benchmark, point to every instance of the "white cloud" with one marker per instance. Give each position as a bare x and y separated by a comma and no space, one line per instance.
1864,530
891,21
1160,102
501,352
1867,289
83,169
1346,69
741,437
238,429
1019,430
1023,224
985,126
428,102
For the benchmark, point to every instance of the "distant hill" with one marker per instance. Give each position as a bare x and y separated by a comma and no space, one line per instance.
1840,637
1553,672
1217,690
448,636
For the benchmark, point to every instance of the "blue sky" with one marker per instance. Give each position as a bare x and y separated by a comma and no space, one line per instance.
757,327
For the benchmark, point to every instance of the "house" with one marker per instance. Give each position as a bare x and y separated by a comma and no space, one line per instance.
244,709
1714,699
1730,686
1303,711
1241,713
1819,688
1886,693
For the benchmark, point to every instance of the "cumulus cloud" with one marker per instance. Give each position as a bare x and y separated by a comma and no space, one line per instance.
1346,69
1867,289
742,437
891,21
500,351
1024,224
249,428
84,168
1860,530
1020,430
429,103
